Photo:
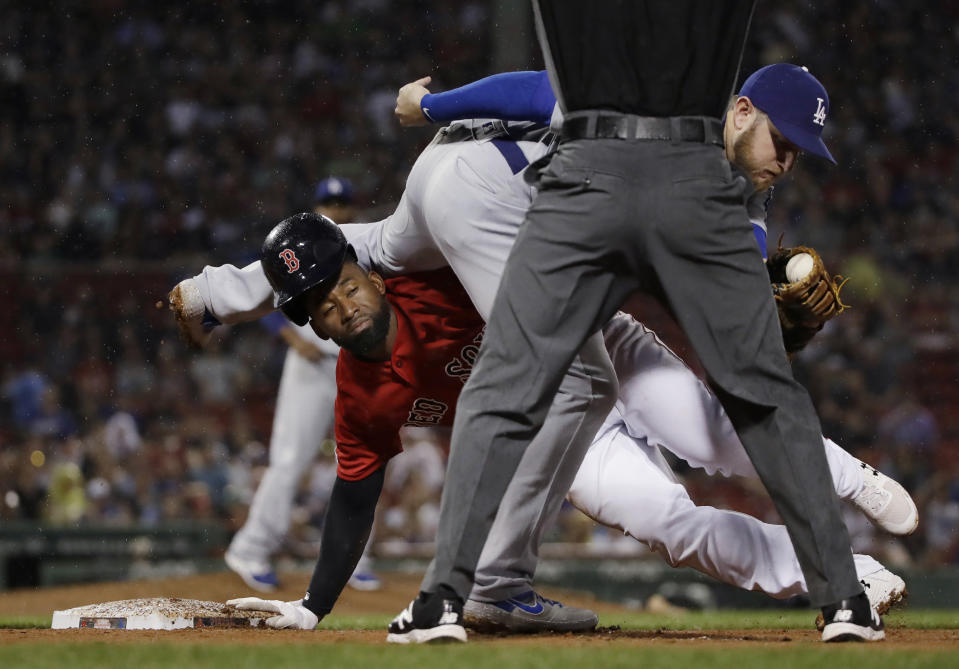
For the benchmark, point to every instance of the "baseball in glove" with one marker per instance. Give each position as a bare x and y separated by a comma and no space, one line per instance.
807,303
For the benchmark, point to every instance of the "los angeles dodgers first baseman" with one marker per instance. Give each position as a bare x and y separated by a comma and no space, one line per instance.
302,419
482,192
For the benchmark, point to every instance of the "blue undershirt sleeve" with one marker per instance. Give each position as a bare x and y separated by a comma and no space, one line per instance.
757,207
274,322
760,233
511,96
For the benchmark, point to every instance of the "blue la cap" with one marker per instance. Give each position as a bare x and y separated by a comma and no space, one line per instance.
333,188
795,102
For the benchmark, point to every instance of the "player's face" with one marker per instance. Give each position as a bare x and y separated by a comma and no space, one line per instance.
354,313
764,153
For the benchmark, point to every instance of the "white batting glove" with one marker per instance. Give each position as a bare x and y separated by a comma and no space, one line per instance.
292,615
187,306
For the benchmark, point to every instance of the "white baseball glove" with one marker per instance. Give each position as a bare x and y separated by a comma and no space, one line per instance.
292,615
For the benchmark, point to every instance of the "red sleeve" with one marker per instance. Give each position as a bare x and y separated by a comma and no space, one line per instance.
360,454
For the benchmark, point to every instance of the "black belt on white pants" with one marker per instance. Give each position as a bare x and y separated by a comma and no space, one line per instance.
505,143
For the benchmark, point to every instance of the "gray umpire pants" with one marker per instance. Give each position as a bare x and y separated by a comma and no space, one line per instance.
545,474
612,216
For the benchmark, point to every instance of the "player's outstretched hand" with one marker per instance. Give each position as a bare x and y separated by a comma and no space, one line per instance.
408,100
291,615
190,314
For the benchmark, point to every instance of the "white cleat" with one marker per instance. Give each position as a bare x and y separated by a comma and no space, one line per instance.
884,590
886,503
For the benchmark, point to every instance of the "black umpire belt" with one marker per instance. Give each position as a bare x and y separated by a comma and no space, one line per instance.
593,125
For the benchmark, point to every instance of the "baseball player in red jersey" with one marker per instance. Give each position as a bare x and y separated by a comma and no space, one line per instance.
302,418
406,350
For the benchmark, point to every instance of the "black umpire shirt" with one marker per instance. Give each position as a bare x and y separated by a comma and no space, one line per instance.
645,57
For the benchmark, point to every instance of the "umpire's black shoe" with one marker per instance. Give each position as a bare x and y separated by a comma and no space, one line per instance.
852,619
431,617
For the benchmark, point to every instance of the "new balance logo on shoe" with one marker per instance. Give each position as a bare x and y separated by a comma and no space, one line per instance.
852,619
449,617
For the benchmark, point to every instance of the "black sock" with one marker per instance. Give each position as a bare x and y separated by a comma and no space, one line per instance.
442,592
447,592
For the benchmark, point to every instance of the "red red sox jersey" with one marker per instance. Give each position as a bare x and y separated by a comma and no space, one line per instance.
437,338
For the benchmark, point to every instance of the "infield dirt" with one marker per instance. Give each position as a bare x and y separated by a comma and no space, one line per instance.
395,595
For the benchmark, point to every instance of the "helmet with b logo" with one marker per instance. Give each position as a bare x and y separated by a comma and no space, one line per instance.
301,252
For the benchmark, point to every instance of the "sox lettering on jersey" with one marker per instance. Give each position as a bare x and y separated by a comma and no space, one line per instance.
820,115
428,411
292,262
461,366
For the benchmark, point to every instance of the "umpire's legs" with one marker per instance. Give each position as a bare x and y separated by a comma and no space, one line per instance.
544,475
555,292
715,281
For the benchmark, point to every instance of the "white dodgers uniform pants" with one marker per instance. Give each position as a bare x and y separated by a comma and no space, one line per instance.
625,483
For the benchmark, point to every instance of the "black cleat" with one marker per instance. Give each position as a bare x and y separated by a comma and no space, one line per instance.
430,618
852,619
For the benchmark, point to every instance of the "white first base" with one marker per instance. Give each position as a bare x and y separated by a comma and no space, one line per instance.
158,613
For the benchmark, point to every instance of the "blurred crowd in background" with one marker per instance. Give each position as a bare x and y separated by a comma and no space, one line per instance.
138,144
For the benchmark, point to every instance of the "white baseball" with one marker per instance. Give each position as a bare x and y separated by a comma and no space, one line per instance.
798,267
